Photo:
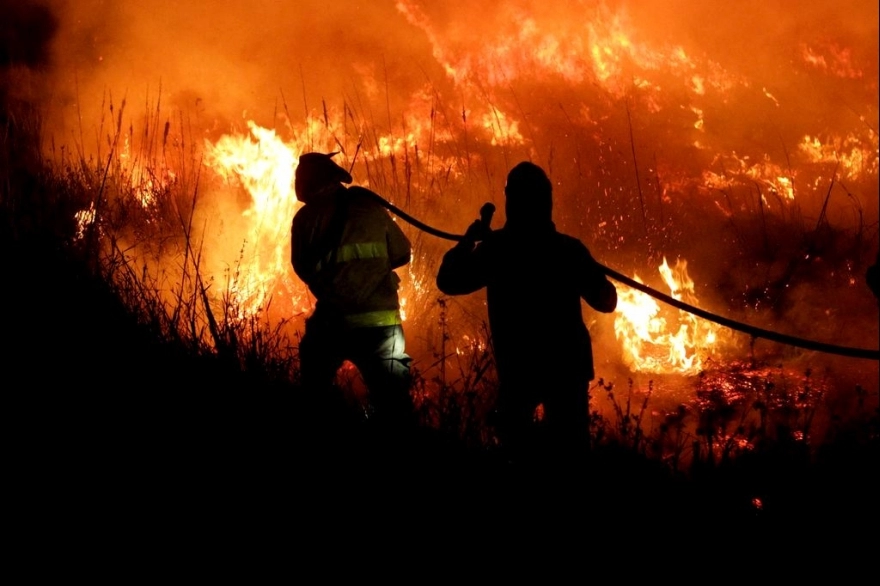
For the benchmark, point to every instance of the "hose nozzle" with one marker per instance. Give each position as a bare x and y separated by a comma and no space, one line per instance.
486,213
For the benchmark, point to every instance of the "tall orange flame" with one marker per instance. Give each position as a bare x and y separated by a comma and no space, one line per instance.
658,341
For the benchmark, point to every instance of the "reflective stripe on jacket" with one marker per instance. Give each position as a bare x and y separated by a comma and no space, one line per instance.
345,247
355,251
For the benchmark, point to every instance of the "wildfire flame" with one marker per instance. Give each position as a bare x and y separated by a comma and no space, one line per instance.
660,342
597,93
264,166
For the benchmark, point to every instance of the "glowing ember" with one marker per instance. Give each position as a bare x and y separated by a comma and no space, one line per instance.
852,153
661,342
84,219
146,180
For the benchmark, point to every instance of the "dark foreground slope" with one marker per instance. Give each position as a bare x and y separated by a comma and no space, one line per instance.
122,442
110,423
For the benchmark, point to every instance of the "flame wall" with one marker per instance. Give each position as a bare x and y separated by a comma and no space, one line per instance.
670,128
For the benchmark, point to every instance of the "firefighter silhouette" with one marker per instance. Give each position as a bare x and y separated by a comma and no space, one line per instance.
345,247
535,278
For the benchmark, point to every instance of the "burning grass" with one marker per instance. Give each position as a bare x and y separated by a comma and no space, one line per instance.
167,260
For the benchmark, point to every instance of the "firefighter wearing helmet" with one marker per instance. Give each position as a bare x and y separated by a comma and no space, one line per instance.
345,248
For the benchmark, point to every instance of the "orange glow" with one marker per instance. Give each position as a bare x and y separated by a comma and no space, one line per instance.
644,120
742,170
856,158
84,219
663,340
831,58
264,166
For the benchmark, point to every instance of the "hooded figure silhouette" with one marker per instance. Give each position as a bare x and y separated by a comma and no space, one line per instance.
535,279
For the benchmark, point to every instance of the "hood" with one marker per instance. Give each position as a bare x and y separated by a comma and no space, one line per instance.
315,173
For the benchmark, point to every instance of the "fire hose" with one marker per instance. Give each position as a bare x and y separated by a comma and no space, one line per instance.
488,210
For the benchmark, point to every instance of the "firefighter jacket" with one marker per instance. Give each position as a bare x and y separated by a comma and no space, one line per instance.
535,278
345,247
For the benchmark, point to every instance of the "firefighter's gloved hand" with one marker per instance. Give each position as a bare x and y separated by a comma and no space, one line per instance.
477,231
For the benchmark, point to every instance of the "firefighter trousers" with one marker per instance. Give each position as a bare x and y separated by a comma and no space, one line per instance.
377,352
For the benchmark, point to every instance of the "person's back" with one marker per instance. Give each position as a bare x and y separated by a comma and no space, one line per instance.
534,285
345,247
535,278
365,234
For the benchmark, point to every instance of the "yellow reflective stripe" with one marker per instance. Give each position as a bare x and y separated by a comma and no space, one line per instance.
361,250
357,251
384,317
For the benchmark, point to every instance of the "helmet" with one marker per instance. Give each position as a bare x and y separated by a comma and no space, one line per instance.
316,171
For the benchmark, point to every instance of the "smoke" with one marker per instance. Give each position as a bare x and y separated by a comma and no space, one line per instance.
677,127
229,60
26,32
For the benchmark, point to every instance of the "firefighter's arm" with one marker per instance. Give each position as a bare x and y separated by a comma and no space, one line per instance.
460,271
596,289
603,296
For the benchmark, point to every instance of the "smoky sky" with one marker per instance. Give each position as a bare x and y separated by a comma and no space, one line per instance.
25,33
223,62
228,57
234,55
